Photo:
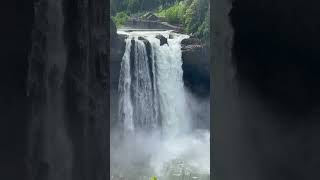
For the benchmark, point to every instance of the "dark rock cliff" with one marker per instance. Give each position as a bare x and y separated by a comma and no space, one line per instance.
117,48
196,66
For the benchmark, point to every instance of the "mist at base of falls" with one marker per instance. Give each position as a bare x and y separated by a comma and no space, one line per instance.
157,113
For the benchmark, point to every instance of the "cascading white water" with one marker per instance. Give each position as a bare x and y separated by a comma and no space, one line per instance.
151,85
153,108
174,111
125,104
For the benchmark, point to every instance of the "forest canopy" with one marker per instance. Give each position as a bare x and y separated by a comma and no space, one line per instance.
192,15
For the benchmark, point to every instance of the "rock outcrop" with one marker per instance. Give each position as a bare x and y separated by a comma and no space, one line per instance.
196,66
163,40
117,49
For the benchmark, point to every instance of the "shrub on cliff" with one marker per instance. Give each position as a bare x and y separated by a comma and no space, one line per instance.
120,19
174,14
192,14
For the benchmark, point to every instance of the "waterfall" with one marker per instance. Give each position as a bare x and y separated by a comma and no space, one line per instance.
125,108
151,88
154,109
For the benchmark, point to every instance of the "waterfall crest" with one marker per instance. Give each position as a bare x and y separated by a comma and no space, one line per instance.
151,85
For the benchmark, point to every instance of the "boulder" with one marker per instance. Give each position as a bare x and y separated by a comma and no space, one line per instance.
142,38
162,39
191,41
147,44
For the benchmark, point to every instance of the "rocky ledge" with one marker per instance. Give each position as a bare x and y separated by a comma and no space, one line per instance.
196,73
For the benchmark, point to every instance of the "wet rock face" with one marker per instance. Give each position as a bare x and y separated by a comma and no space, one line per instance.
190,41
117,49
162,39
117,43
196,72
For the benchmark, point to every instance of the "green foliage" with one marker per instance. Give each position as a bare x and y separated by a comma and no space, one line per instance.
134,6
175,13
204,29
166,3
120,19
192,14
196,16
153,178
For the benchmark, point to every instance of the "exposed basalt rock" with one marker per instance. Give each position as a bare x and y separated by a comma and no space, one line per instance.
143,39
117,43
117,48
162,39
149,54
191,41
196,62
148,47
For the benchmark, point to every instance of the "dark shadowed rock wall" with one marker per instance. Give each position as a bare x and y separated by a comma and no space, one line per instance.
196,66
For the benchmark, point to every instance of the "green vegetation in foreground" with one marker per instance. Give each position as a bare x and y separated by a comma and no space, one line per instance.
153,178
192,15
